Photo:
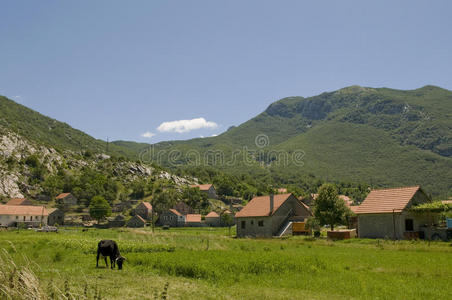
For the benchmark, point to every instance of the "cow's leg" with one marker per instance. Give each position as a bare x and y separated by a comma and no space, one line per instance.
112,262
97,259
106,263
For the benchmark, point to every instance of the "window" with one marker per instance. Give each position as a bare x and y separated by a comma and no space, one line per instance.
243,224
409,226
252,222
17,217
260,223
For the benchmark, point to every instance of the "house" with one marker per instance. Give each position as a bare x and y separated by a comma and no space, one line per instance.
14,215
144,210
56,216
384,213
19,201
172,218
272,215
282,191
183,208
193,220
208,189
212,219
136,222
66,199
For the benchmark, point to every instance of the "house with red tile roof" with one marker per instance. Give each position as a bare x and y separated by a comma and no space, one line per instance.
66,199
136,222
272,215
13,215
19,201
385,213
208,189
171,217
193,220
144,210
212,219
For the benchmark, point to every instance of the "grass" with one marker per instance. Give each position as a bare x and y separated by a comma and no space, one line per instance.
204,263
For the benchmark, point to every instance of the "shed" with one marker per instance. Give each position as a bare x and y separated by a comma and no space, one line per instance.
136,222
385,213
213,219
56,216
144,210
66,199
193,220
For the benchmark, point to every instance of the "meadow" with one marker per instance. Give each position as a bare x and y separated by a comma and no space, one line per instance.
206,263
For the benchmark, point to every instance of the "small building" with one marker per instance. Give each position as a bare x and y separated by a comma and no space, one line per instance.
269,216
118,221
208,189
56,216
212,219
172,218
136,222
385,213
30,216
282,191
66,199
183,208
193,220
19,201
144,210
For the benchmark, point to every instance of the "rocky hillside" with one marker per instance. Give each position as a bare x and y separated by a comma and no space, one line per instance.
29,169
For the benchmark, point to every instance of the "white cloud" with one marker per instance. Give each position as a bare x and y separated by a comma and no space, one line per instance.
148,134
214,134
182,126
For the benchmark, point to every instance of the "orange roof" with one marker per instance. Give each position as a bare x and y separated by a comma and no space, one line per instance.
202,187
346,199
17,201
282,190
193,218
147,205
260,206
212,214
354,208
140,218
63,195
23,210
447,201
387,200
175,212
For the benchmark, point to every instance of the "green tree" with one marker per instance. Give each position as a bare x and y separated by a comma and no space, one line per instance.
195,198
227,220
163,196
99,208
329,209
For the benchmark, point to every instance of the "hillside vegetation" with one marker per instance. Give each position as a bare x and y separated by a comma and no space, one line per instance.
382,137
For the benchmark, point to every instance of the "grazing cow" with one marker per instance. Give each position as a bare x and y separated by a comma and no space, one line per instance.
109,248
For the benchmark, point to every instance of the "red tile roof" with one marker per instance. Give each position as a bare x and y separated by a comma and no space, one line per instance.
447,201
282,190
147,205
387,200
17,201
63,195
193,218
212,214
260,206
202,187
175,212
23,210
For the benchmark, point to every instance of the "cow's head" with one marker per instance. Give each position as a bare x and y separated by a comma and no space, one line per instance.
119,261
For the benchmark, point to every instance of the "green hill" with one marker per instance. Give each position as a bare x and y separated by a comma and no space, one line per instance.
382,136
50,132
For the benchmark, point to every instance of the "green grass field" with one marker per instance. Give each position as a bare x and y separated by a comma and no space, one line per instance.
206,263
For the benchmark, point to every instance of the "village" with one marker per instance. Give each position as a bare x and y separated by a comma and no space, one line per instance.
390,213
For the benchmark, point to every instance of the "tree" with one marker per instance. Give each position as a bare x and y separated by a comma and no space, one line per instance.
99,208
227,220
164,195
195,198
329,209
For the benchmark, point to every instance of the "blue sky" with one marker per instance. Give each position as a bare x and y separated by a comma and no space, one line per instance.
120,69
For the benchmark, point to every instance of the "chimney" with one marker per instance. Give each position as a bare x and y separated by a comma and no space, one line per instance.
272,201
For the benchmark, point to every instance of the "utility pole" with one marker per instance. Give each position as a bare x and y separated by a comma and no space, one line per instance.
107,144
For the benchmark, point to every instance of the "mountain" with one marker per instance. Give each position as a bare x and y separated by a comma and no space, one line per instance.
41,129
41,157
380,136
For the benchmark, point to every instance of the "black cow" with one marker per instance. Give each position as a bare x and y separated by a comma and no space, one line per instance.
109,248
